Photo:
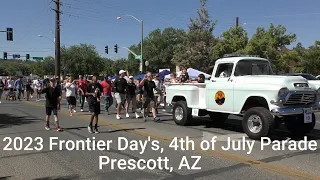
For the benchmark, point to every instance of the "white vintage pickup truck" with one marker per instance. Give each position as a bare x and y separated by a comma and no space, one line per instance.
245,85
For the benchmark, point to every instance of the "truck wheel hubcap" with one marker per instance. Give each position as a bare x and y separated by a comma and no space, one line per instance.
254,124
178,113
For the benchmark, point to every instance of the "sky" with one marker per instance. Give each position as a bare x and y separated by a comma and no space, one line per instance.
95,21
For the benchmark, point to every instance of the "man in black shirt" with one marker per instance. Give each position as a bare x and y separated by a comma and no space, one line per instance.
93,93
120,87
52,100
149,97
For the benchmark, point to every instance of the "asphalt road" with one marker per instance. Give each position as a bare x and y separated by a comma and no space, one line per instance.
25,119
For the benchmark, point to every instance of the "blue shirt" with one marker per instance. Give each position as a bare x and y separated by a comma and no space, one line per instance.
18,84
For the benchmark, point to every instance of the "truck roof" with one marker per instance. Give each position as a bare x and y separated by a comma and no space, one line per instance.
236,59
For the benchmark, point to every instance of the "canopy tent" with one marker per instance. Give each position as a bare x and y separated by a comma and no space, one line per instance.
193,73
163,73
140,76
114,77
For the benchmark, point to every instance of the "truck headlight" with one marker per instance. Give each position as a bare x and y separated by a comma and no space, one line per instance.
283,92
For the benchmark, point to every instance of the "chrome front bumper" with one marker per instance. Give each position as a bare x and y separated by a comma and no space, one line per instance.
293,111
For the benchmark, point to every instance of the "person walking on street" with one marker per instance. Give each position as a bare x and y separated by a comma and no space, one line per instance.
52,95
120,87
82,87
29,89
157,93
2,86
71,95
149,97
131,97
94,92
19,86
107,88
59,89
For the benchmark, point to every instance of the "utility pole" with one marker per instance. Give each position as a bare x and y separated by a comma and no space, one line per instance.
237,21
57,40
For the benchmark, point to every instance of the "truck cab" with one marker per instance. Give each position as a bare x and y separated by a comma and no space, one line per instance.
245,86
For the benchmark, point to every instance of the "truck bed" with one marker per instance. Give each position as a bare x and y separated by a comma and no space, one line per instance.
194,93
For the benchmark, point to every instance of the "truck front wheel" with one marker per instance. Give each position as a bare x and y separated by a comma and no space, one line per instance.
182,115
257,122
296,125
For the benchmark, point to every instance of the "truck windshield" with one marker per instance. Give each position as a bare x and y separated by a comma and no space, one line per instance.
252,67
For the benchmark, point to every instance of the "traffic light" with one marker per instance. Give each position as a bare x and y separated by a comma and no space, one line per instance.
106,49
28,57
5,55
116,48
9,34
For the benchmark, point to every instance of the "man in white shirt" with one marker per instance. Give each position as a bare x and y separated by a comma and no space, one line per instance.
11,84
37,88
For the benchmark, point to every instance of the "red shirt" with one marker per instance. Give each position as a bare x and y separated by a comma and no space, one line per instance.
106,85
82,84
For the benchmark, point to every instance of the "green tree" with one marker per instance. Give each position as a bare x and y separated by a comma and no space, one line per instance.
311,59
195,51
270,43
81,59
233,40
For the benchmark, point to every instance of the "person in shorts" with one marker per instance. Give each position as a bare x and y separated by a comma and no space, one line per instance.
71,95
94,92
52,99
120,87
149,97
131,97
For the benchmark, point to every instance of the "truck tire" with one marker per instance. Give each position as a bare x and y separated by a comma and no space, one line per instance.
182,115
218,119
296,125
257,122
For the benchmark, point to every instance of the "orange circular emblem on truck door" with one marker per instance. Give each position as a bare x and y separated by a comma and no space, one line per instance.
220,98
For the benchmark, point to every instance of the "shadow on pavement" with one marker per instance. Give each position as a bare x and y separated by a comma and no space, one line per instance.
119,130
72,177
8,120
5,178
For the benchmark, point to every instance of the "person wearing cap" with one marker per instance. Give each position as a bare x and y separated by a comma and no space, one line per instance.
52,101
131,97
120,87
107,88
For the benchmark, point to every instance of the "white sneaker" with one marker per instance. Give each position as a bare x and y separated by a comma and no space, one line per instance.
0,102
137,116
118,117
81,110
127,115
74,111
161,104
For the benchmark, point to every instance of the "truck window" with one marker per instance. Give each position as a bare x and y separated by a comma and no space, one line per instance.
252,67
224,70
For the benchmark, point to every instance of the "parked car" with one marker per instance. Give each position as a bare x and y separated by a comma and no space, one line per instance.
313,81
245,86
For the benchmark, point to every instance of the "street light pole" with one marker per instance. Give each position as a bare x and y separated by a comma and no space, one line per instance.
141,51
142,62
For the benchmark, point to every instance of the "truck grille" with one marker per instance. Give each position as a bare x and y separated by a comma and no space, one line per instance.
296,99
